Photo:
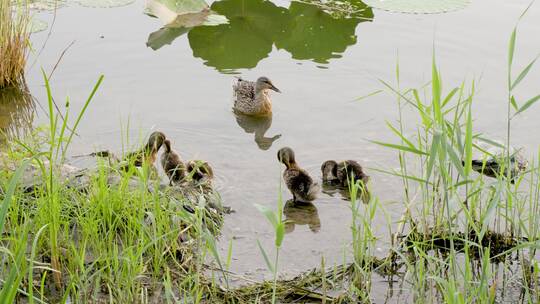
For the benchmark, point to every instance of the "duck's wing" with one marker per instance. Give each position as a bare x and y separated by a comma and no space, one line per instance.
303,185
243,90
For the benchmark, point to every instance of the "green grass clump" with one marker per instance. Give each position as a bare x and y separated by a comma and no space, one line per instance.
14,42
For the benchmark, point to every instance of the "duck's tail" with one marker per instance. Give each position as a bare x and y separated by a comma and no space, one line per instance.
313,192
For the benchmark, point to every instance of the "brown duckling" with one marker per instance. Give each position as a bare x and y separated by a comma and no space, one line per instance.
199,170
339,174
148,153
297,179
172,164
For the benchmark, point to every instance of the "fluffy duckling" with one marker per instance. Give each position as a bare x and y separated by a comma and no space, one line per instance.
253,98
492,166
297,180
199,170
148,154
493,162
172,164
339,174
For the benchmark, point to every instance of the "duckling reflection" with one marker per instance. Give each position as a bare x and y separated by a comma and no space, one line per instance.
259,126
301,213
337,190
17,111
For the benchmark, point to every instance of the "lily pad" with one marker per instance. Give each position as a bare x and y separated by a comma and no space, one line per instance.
165,36
183,16
342,9
184,6
104,3
36,25
418,6
178,21
46,5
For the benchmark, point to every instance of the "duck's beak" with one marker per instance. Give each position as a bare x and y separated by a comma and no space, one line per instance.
273,87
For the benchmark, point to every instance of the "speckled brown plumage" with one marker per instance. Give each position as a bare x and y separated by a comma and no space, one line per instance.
253,98
340,174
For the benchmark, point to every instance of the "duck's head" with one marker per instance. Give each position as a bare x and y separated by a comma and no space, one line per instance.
263,83
286,156
329,170
155,141
167,145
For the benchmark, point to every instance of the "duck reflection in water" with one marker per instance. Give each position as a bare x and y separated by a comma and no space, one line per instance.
301,213
258,125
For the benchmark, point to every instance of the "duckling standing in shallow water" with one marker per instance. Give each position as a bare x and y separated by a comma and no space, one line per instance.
253,98
297,180
339,174
172,164
147,154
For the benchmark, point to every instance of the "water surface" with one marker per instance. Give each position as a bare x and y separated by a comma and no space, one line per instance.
321,63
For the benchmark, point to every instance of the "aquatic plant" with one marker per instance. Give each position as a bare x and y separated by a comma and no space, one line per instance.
14,44
275,218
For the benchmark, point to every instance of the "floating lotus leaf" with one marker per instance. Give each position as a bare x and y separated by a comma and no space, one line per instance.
343,9
418,6
178,21
104,3
46,5
165,36
184,6
179,18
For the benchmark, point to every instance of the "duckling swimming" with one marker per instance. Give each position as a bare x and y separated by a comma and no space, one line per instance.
253,98
147,154
339,174
199,170
172,164
297,180
493,166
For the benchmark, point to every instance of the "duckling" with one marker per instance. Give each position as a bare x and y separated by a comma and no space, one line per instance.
492,166
297,180
493,162
253,98
339,174
148,153
200,170
172,164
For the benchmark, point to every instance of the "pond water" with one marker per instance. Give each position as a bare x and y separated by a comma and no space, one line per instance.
321,63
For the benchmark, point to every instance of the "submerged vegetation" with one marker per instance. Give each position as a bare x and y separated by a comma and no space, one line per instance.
14,44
